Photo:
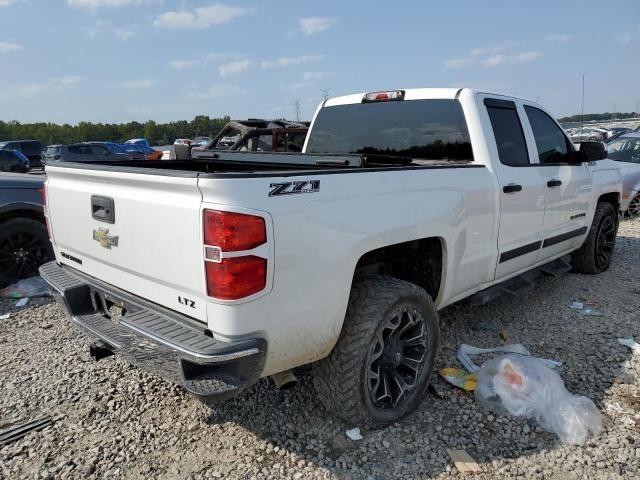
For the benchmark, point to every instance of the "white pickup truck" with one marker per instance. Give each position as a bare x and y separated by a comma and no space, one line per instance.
215,273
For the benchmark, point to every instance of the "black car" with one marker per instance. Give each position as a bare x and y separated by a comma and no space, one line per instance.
24,240
13,161
32,149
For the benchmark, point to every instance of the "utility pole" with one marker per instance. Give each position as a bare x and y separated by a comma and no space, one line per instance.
325,93
582,115
296,104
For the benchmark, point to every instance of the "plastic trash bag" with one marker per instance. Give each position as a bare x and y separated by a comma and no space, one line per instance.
29,287
526,388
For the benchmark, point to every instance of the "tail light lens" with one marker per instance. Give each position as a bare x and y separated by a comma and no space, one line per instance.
233,278
236,277
233,232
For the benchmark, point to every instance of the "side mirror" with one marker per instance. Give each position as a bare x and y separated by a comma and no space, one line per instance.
592,151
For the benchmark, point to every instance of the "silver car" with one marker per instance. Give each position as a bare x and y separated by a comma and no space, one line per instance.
626,150
82,152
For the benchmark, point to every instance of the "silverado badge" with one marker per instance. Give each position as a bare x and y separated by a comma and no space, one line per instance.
102,236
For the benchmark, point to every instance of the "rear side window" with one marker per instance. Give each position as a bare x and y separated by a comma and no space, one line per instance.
553,146
507,130
77,149
52,150
422,129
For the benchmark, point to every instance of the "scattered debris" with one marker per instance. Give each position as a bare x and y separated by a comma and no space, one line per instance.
526,387
503,336
631,343
585,309
436,391
463,461
5,316
459,378
466,351
16,433
354,434
22,302
29,287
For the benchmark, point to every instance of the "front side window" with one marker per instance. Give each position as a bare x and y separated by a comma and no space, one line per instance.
507,130
420,129
553,146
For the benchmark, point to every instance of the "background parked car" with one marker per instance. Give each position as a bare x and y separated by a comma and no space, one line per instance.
182,141
82,152
138,141
200,141
32,149
14,161
24,240
148,152
134,153
625,149
588,134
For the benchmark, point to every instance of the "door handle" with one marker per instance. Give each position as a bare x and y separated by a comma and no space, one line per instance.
512,188
554,183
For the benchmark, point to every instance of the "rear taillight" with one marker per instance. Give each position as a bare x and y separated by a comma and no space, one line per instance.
238,276
233,232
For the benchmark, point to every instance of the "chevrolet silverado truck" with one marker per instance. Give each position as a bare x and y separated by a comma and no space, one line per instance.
215,273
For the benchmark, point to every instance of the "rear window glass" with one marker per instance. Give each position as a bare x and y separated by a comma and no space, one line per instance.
423,129
52,150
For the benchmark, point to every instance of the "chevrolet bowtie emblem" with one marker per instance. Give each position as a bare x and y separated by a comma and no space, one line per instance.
102,236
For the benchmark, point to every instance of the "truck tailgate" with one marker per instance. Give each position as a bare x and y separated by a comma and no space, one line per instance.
152,248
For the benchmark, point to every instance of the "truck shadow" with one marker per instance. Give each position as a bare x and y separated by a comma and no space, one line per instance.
293,423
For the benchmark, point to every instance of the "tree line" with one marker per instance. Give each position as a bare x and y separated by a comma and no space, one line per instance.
589,117
156,133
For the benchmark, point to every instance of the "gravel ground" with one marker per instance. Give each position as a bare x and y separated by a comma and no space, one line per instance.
114,421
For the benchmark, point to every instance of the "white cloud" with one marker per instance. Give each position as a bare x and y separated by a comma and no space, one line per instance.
6,3
122,34
95,4
313,25
68,80
312,77
31,90
217,91
287,61
491,57
234,67
186,64
628,37
137,84
558,37
9,47
200,18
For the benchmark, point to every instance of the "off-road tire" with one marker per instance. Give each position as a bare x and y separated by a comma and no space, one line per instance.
585,260
19,232
340,378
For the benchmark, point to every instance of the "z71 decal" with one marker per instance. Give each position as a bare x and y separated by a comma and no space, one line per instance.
289,188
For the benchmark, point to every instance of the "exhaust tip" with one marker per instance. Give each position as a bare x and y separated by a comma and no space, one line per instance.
284,380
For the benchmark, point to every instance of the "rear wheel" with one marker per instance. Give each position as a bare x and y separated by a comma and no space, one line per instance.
595,254
634,207
380,367
24,246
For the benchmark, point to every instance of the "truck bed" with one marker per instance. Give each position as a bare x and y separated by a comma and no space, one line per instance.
264,164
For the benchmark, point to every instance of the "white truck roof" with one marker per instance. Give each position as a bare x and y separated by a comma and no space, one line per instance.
413,94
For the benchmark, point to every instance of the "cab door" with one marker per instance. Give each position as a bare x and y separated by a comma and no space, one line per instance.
522,200
567,185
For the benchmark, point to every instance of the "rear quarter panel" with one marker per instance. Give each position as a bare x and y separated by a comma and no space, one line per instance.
319,237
